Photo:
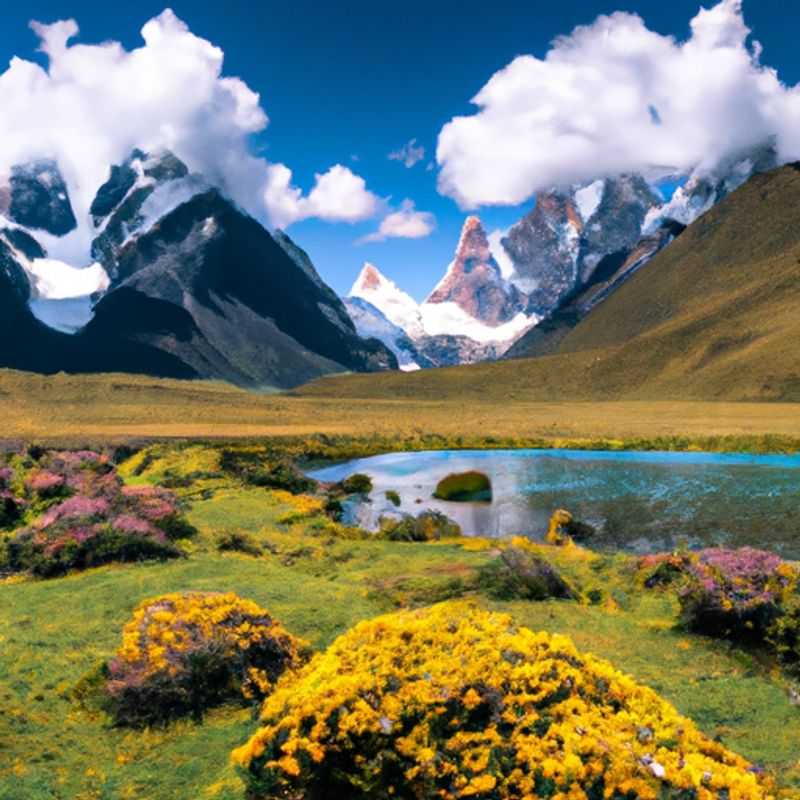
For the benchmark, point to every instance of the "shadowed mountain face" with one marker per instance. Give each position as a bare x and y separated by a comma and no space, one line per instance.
37,198
239,307
198,289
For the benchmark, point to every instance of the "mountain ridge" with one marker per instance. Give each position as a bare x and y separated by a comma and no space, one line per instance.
713,316
194,288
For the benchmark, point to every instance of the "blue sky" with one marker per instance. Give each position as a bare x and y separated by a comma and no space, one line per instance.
350,82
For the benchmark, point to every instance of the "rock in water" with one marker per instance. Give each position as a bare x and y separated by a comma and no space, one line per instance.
465,487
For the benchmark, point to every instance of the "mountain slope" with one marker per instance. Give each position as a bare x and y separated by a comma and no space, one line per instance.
238,307
713,316
186,285
372,323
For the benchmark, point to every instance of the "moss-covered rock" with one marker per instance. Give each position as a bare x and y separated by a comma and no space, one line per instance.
393,497
465,487
356,484
564,528
519,575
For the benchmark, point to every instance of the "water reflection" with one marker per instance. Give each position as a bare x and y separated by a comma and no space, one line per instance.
642,502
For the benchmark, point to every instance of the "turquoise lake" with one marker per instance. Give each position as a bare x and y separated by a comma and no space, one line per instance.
638,501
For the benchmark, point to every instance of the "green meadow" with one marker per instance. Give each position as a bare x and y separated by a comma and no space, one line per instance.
53,744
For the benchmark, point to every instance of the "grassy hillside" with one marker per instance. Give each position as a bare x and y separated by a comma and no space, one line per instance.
399,412
712,317
716,312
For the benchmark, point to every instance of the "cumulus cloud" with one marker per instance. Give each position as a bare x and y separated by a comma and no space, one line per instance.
409,154
94,104
338,195
615,97
407,223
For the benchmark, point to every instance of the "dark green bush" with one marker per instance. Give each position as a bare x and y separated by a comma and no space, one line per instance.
239,542
105,545
784,636
519,575
259,469
427,527
356,484
393,497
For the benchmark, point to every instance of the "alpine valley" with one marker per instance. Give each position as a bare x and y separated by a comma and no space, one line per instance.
184,284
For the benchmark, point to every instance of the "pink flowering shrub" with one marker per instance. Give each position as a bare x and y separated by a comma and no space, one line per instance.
746,595
736,594
45,483
80,515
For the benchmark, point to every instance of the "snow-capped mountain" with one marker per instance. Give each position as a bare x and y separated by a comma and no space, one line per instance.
521,291
473,304
662,223
183,284
556,248
704,188
372,323
473,298
384,294
36,215
421,336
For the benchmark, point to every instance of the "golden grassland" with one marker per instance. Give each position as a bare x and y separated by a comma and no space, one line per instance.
53,632
101,408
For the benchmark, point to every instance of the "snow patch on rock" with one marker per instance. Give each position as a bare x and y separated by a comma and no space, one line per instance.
588,199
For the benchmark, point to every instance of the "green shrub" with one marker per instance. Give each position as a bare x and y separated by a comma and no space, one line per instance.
257,469
464,487
282,475
427,527
393,497
356,484
519,575
783,636
239,542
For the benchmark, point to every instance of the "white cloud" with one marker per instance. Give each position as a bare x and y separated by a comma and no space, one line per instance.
410,154
95,103
407,223
616,97
338,195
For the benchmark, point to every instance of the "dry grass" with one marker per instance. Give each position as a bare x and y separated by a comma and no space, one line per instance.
123,407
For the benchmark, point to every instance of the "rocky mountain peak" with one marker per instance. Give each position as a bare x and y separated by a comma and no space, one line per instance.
474,281
369,279
473,246
398,307
558,245
36,197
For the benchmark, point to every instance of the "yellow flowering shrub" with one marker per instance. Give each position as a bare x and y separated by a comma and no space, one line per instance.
564,529
183,653
300,506
453,702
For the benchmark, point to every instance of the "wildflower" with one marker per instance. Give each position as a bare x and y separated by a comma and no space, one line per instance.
427,702
182,653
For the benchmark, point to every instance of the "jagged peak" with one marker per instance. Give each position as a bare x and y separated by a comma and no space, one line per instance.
370,278
473,237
